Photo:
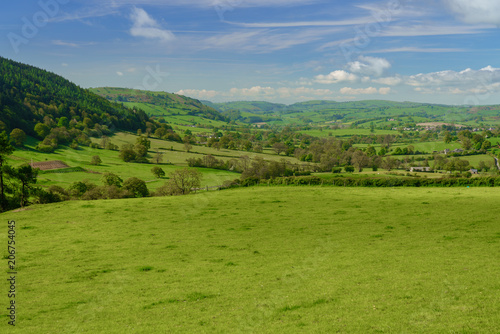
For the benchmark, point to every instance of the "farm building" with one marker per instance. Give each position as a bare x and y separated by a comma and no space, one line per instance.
420,169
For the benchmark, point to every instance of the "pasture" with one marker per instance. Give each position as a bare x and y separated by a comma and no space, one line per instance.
261,260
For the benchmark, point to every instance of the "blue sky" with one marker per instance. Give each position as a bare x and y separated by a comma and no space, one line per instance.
440,51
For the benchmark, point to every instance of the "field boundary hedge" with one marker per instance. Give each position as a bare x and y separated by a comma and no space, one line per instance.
380,182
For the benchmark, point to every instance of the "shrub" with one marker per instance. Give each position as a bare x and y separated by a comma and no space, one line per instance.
136,186
349,169
111,179
158,172
250,181
96,160
336,170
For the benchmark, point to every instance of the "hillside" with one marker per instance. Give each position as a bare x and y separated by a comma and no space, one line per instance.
160,104
29,95
382,113
256,107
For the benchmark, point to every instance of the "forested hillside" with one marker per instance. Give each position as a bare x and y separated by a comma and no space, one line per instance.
159,103
29,95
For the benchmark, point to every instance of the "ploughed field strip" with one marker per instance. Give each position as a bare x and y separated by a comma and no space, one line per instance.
49,165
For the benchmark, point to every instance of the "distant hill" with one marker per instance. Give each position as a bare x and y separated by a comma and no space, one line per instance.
30,95
354,112
255,107
160,104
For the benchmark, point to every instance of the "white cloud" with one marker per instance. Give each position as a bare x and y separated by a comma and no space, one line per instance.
484,76
147,27
365,91
369,66
253,92
384,90
119,73
64,65
476,11
336,77
198,94
390,81
259,92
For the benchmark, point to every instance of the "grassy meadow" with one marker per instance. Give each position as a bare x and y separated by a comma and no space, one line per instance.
174,157
262,260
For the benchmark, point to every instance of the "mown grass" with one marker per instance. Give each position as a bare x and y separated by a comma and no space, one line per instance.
262,260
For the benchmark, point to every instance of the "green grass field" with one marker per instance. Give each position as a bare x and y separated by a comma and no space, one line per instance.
111,162
261,260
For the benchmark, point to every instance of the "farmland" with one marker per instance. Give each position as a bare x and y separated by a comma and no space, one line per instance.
266,259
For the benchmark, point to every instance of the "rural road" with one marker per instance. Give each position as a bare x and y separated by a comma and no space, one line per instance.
497,163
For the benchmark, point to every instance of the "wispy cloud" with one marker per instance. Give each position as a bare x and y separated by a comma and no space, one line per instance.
417,49
477,11
147,27
264,40
354,21
211,3
61,43
86,13
431,30
72,44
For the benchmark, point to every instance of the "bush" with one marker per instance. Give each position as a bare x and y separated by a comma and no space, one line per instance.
45,148
158,172
94,145
336,170
349,169
96,160
250,181
136,186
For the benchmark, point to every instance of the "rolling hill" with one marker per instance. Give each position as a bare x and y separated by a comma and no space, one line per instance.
161,104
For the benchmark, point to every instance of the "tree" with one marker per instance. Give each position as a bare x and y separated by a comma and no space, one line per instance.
370,151
63,122
486,145
18,137
183,180
27,175
96,160
279,147
466,143
372,127
143,141
447,137
389,163
187,146
388,140
158,158
104,142
42,130
127,153
158,172
359,160
136,186
111,179
5,150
